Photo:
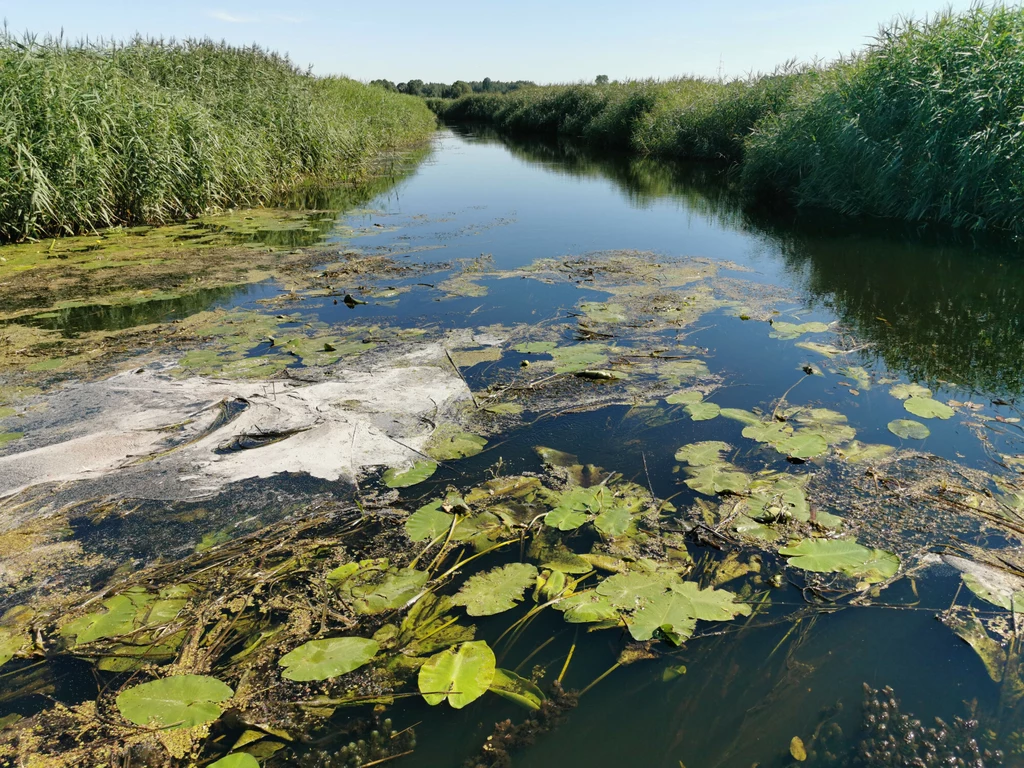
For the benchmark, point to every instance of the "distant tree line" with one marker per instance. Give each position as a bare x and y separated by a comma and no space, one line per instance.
453,91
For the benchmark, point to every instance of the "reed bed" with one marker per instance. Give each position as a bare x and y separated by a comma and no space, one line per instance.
925,124
96,135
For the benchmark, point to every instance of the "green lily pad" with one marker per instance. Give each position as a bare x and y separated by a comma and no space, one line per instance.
803,445
702,454
11,642
511,686
587,608
717,478
613,521
826,350
667,613
703,411
738,414
535,347
428,522
927,408
403,478
684,398
769,432
237,760
842,556
459,674
783,330
629,591
324,659
604,312
496,591
856,452
906,391
579,357
908,429
449,442
372,586
573,508
182,701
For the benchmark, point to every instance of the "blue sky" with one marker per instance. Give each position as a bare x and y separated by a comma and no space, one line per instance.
540,40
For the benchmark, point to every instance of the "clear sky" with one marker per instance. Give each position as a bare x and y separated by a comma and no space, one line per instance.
540,40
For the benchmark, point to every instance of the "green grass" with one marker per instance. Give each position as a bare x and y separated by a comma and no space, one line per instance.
927,123
101,135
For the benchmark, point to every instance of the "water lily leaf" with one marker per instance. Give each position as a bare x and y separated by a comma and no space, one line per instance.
428,522
738,414
717,478
604,312
859,375
535,347
117,617
496,591
182,701
822,349
993,585
614,521
449,442
905,391
703,411
770,432
842,556
972,631
573,508
510,409
511,686
803,445
927,408
709,604
684,398
324,659
783,330
702,454
857,452
629,591
667,613
587,608
417,473
12,641
374,587
908,429
460,674
579,357
237,760
568,562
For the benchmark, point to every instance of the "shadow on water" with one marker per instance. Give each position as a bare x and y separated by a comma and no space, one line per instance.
937,305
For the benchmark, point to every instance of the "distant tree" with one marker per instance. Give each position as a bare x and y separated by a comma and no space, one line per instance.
414,87
459,88
486,86
601,79
387,85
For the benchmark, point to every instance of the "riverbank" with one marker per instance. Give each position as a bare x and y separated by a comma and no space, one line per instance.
150,132
923,125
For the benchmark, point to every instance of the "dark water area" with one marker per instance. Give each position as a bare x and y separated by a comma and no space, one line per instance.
936,309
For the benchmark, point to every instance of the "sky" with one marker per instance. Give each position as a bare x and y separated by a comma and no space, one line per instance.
540,40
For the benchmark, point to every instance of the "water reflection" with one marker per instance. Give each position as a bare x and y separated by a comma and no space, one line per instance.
935,305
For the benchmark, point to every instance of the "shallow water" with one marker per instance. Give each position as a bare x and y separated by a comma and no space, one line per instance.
922,307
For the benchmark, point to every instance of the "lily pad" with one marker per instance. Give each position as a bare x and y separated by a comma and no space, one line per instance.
449,442
573,508
459,674
702,454
372,586
927,408
717,478
856,452
703,411
182,701
496,591
906,391
587,608
428,522
613,521
11,642
237,760
908,429
822,349
666,613
738,414
842,556
511,686
403,478
684,398
324,659
803,445
783,330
